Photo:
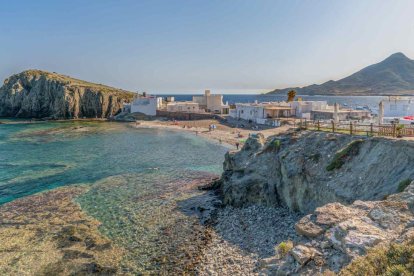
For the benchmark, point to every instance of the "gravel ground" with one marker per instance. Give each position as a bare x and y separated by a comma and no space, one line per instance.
241,237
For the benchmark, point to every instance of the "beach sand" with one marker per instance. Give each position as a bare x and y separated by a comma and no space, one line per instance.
223,133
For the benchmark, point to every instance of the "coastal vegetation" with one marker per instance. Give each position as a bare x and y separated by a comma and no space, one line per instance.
284,247
403,184
343,155
393,259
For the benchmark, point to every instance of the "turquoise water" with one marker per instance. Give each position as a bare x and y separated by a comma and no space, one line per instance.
40,156
136,181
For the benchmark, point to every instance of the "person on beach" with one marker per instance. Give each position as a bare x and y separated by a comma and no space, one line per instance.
237,145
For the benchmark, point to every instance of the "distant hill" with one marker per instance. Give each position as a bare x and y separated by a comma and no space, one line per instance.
392,76
41,94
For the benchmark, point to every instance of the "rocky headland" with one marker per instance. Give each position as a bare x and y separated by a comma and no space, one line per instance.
355,195
41,94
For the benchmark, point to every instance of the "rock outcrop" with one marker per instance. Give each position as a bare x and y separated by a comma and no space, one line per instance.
336,234
306,170
357,193
40,94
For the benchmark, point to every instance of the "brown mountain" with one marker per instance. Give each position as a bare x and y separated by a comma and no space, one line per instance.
392,76
40,94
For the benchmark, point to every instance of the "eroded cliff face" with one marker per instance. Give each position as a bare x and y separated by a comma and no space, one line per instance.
309,169
39,94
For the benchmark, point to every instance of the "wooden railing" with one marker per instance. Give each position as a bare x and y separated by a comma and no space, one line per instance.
353,128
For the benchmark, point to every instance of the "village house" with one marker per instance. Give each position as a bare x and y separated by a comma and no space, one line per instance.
271,112
261,113
303,108
396,109
339,115
146,104
188,107
211,103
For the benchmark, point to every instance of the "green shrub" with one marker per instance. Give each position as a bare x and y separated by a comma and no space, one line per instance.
273,146
284,247
395,259
403,184
341,156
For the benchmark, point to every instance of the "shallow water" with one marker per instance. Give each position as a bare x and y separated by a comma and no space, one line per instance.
136,180
40,156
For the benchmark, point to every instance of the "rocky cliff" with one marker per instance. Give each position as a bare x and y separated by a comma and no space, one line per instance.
306,170
357,195
40,94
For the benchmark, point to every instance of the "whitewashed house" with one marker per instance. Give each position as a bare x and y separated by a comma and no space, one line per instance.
395,108
189,107
261,113
145,104
303,108
211,103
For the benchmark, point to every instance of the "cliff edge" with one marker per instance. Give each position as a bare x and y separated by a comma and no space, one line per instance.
305,170
41,94
356,194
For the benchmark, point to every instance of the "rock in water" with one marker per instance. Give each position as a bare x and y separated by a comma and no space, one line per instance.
40,94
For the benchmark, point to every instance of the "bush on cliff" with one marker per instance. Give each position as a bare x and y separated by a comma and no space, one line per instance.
341,156
395,259
403,184
284,247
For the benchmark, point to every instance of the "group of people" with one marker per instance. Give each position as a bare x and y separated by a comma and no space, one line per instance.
212,127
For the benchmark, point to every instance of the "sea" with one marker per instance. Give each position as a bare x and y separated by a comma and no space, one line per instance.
136,181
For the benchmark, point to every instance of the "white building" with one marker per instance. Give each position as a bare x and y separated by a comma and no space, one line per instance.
212,103
145,104
396,108
261,113
183,107
303,108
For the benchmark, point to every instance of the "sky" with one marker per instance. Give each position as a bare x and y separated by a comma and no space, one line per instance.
186,46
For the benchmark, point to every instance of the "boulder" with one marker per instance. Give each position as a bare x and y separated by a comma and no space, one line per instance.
302,254
306,227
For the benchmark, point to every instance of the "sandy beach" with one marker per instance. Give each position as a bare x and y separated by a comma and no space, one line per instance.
223,133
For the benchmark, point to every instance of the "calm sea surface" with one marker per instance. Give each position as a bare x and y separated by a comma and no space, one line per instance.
39,156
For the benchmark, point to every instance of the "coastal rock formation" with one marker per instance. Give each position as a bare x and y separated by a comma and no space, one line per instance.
357,194
348,232
306,170
40,94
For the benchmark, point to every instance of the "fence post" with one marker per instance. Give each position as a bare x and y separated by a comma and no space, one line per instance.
319,125
350,128
306,124
394,129
372,129
333,126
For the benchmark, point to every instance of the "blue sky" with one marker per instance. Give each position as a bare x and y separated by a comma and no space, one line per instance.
229,46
